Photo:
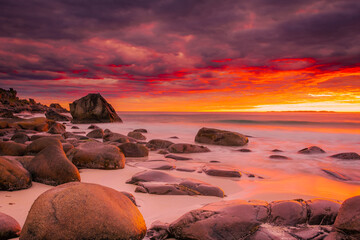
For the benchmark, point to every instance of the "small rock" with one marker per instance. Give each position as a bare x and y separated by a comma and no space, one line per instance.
156,165
140,130
20,137
276,150
75,127
347,156
187,148
221,171
92,126
163,152
185,169
311,150
179,158
278,157
174,137
156,144
137,135
244,150
96,133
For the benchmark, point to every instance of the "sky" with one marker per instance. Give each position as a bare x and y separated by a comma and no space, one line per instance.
185,55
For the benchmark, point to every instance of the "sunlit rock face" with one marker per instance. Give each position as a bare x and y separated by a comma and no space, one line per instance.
93,108
83,211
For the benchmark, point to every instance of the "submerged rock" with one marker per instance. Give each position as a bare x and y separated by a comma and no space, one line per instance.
83,211
13,176
140,130
347,156
311,150
187,148
235,219
279,157
156,182
97,155
9,227
336,174
220,137
93,108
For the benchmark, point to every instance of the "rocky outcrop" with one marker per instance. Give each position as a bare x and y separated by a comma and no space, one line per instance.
13,176
51,166
133,150
347,156
187,148
97,155
156,144
311,150
12,148
93,108
56,116
83,211
9,227
156,182
220,137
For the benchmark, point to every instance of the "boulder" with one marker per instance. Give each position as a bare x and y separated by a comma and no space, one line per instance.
140,130
235,219
187,148
12,148
348,218
67,135
57,128
9,227
93,108
156,182
83,211
97,155
156,144
347,156
137,135
311,150
281,157
41,143
322,211
13,176
96,133
221,171
20,137
245,150
220,137
133,150
56,116
116,137
51,166
288,212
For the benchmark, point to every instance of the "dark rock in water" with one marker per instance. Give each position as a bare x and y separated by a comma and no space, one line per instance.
174,137
74,127
322,211
156,144
221,171
116,137
214,161
12,148
179,158
336,174
58,108
93,108
39,144
96,133
92,126
185,169
235,219
276,150
51,166
136,135
244,150
13,177
156,165
57,128
72,135
187,148
348,219
288,213
278,157
163,152
311,150
133,150
83,211
20,137
140,130
156,182
97,155
9,227
347,156
220,137
54,115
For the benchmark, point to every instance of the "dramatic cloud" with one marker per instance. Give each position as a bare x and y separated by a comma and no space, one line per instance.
182,54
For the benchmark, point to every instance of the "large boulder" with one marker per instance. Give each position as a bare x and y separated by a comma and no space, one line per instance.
187,148
156,144
41,143
56,116
97,155
322,211
13,176
235,219
93,108
288,212
220,137
9,227
83,211
12,148
348,219
133,150
51,166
